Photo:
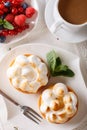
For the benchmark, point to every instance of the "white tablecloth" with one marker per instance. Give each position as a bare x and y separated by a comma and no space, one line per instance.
42,35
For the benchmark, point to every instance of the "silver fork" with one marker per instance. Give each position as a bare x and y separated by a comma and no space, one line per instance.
26,110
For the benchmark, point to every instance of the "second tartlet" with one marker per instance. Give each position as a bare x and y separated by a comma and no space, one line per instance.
58,104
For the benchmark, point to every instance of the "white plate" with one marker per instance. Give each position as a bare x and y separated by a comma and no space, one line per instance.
25,33
76,82
63,33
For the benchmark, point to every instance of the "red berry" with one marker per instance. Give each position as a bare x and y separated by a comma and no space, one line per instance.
25,27
11,32
20,10
14,2
15,31
14,24
20,1
30,11
10,0
1,6
20,19
10,18
5,33
19,30
5,10
14,11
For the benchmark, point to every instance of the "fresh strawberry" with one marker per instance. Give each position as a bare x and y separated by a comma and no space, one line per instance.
20,19
10,18
30,11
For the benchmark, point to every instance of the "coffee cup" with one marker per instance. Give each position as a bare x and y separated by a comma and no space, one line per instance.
61,22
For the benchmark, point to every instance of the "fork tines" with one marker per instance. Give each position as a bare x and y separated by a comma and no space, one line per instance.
33,115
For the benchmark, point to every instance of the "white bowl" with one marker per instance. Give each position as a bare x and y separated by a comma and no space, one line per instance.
33,22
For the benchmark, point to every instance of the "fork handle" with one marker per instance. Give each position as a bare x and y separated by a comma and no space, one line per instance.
7,97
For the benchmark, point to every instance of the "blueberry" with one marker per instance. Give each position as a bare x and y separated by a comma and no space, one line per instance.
25,5
7,4
1,27
2,38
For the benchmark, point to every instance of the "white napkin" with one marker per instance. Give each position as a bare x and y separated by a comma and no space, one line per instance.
3,112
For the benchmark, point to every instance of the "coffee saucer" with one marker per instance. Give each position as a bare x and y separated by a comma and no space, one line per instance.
63,33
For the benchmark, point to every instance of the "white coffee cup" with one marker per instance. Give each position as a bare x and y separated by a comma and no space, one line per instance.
59,22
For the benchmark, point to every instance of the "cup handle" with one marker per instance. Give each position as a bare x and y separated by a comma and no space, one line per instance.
55,26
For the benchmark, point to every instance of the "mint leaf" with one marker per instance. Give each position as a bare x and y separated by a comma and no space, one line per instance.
1,21
51,59
56,67
8,25
61,68
68,73
58,61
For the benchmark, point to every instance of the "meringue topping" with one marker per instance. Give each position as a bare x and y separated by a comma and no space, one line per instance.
61,101
28,73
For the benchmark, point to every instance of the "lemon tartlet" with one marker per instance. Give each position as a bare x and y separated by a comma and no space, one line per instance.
27,73
58,103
